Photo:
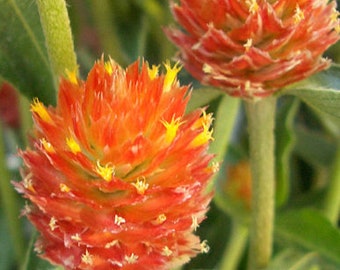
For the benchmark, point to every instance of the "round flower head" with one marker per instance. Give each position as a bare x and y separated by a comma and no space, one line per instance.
253,48
117,174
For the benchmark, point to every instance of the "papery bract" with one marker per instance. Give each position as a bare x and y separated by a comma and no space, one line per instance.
117,174
253,48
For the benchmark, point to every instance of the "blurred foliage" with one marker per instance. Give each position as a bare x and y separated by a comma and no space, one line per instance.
307,126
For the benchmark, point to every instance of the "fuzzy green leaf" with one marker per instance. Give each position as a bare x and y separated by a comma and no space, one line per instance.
320,91
310,230
23,56
294,259
285,141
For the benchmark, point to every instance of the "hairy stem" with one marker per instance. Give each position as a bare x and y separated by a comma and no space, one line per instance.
261,116
58,35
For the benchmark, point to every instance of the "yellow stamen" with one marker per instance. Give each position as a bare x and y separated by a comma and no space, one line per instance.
194,224
108,67
248,44
159,220
28,182
73,145
170,76
64,188
53,224
298,15
204,120
207,68
38,108
166,251
119,220
87,258
76,237
171,128
72,76
153,72
337,27
253,6
47,146
334,15
105,171
204,247
203,137
141,185
111,244
131,259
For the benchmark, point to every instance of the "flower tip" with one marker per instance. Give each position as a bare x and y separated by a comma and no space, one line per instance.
38,108
171,74
72,76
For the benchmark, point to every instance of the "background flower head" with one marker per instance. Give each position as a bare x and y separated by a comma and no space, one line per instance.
117,174
253,48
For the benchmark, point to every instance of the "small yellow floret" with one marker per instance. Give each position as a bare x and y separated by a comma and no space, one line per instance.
298,15
38,108
171,73
64,188
73,145
159,220
207,68
108,67
153,72
334,15
204,247
47,146
204,120
53,224
248,44
203,137
119,220
166,251
72,76
253,6
105,171
171,128
131,259
87,258
141,185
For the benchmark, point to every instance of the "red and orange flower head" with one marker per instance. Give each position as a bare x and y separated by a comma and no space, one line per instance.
117,174
253,48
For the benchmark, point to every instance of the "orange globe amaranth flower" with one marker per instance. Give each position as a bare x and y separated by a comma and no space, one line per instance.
117,173
253,48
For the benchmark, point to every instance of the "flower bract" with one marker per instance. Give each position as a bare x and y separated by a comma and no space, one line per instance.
253,48
116,177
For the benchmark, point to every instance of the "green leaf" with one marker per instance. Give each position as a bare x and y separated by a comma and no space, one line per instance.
310,230
294,259
321,91
314,147
202,97
225,119
285,141
32,261
23,56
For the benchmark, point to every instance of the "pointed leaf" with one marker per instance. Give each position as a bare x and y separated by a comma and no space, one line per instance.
202,97
32,261
23,57
310,230
293,259
320,91
285,141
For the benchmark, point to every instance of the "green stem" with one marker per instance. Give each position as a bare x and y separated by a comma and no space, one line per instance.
58,35
332,200
235,247
10,205
104,21
261,116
